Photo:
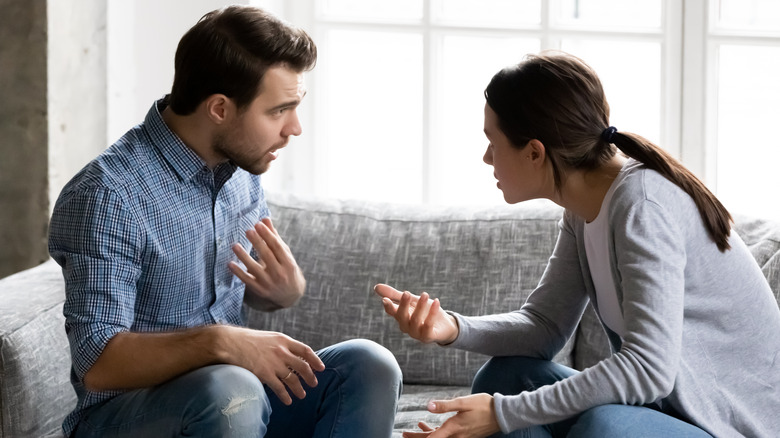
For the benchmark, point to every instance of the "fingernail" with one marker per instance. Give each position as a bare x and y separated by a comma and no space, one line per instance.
431,406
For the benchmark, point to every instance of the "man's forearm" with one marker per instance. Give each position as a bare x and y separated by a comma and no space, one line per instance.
139,360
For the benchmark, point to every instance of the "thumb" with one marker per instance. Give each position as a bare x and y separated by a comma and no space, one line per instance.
442,406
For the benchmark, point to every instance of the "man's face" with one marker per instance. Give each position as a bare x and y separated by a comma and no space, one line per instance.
252,139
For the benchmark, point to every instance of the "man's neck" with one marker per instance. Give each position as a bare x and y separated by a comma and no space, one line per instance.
195,134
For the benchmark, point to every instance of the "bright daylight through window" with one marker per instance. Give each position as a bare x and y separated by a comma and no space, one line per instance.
395,104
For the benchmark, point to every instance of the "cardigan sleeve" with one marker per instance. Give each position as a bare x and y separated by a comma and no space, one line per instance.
650,263
541,327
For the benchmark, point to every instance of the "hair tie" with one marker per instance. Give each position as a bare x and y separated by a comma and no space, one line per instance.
609,134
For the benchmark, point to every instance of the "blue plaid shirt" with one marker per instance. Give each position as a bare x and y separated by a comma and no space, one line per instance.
143,234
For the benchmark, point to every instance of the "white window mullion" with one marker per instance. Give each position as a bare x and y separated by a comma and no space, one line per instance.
695,106
430,53
671,77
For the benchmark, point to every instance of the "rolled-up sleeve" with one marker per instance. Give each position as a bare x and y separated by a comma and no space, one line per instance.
98,243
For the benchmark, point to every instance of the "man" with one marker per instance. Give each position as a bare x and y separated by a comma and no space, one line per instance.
151,238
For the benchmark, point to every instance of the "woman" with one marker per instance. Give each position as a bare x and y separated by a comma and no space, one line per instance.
693,324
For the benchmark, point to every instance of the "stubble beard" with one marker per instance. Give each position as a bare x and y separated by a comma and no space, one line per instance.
232,152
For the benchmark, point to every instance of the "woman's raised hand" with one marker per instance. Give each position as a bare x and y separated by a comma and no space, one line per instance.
418,316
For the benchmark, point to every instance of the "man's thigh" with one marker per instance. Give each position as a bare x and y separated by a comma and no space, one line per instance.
218,400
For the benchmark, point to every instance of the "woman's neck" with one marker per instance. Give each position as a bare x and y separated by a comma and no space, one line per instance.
583,192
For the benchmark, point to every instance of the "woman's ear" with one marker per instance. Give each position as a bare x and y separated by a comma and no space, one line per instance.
536,152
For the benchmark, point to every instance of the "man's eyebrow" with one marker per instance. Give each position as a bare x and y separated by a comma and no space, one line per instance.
288,104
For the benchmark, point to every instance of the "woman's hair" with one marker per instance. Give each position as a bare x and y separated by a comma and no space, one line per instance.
229,50
557,99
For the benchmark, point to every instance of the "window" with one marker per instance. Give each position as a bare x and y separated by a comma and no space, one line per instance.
397,96
395,106
743,48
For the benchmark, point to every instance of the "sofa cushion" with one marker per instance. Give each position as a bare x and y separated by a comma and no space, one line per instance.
762,236
35,390
477,261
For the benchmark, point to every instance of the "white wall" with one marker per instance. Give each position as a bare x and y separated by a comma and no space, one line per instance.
142,40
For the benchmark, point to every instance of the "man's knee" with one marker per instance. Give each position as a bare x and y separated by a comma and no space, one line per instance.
362,359
230,400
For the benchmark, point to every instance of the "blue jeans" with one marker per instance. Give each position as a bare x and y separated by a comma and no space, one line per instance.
356,395
513,375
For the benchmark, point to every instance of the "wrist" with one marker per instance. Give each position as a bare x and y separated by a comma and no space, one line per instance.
455,330
214,340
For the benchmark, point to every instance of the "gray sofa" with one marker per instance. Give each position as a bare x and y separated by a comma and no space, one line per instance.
476,260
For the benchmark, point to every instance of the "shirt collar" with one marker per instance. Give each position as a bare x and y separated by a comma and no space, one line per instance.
184,160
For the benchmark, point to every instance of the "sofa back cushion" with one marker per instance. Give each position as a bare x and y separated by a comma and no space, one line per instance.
476,261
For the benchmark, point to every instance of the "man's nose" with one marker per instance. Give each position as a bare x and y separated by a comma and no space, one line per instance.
293,126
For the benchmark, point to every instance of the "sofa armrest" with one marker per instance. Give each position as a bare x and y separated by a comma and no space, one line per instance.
35,390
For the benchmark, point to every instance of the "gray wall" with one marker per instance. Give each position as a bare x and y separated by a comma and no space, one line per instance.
52,113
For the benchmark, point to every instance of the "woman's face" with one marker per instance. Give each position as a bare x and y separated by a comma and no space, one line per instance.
517,170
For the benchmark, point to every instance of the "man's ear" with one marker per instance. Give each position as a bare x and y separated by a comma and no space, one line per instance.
219,108
536,152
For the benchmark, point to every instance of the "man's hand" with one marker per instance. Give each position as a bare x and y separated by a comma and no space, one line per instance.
274,281
418,316
475,418
140,360
276,359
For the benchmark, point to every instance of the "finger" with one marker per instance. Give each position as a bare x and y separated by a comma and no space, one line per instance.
253,268
278,249
304,370
304,352
424,427
402,314
420,310
268,223
265,254
279,388
242,255
242,275
390,307
386,291
293,381
449,428
442,406
430,320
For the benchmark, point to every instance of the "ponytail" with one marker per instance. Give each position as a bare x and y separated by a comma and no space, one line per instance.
716,218
558,99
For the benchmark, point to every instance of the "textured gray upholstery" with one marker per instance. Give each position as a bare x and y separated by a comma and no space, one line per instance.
475,260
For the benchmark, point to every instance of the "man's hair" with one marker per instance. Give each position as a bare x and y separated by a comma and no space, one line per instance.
229,50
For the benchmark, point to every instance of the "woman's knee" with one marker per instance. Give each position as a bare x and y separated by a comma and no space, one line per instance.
515,374
614,420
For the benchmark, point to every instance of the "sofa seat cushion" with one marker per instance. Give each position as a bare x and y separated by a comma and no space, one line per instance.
413,406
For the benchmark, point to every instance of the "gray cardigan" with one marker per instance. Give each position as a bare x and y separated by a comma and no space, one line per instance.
702,326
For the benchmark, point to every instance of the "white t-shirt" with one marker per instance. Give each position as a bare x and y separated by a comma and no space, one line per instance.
596,248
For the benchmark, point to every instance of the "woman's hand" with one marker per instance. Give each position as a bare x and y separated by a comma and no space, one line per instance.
418,316
475,418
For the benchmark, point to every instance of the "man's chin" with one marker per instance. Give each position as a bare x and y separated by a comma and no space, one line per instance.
257,169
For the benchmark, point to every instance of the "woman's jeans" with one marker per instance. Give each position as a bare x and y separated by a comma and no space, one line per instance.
513,375
356,395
